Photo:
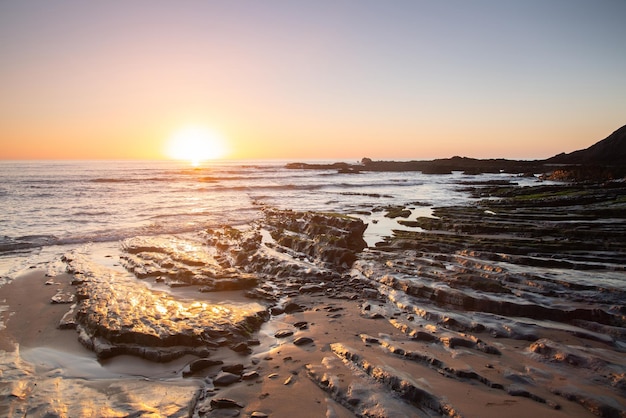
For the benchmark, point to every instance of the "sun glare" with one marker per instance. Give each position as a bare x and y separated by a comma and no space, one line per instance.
196,144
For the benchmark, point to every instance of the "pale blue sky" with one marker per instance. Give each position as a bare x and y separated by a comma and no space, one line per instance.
324,79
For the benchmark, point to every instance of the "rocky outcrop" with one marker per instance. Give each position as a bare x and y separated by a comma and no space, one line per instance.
116,315
604,160
524,264
332,239
492,257
467,165
610,151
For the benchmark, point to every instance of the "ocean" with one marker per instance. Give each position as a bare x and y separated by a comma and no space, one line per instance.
48,207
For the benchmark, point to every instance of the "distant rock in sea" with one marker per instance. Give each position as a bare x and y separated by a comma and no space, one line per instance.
605,160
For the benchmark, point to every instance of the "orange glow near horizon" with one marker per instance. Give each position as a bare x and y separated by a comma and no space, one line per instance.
196,144
106,81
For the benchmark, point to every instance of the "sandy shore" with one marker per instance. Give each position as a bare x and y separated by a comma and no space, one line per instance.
30,319
47,372
285,377
480,317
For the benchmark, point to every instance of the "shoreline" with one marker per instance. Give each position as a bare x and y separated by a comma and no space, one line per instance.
281,369
467,314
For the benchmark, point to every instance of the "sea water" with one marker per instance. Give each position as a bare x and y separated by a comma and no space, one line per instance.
47,207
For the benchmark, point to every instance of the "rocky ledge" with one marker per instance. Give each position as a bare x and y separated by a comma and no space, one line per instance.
289,253
531,273
116,315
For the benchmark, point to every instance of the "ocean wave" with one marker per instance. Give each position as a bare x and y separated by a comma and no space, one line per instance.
179,178
275,187
90,213
377,185
131,180
166,224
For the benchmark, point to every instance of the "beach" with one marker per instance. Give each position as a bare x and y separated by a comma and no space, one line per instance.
508,300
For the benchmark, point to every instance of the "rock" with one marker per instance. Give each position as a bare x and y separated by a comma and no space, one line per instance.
119,317
276,310
397,212
454,342
301,325
63,297
226,379
250,375
69,320
223,403
292,307
303,341
311,288
241,348
370,294
200,364
333,239
258,414
369,339
423,336
233,368
283,333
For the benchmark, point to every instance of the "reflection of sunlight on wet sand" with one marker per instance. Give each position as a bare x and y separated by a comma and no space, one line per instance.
185,251
123,304
74,386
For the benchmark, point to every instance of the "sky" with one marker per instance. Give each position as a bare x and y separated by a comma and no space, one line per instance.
336,79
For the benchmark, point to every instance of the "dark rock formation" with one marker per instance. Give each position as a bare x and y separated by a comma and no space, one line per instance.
199,365
222,403
440,166
226,379
567,227
333,239
610,151
604,160
116,315
303,341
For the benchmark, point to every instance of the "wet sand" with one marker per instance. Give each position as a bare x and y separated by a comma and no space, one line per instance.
289,376
47,372
30,319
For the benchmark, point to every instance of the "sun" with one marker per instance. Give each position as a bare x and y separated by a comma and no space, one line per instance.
196,144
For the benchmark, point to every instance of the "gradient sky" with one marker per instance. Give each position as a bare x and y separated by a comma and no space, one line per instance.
402,79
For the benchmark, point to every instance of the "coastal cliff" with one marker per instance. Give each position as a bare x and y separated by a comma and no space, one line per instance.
605,159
